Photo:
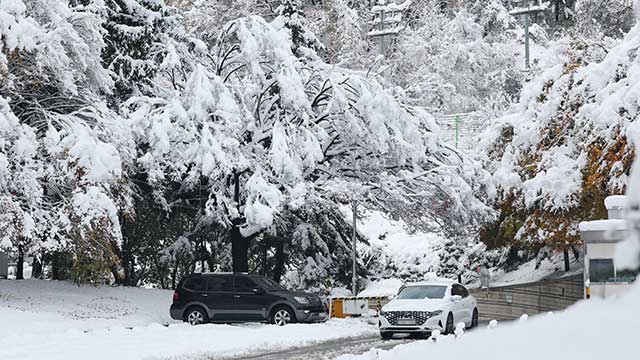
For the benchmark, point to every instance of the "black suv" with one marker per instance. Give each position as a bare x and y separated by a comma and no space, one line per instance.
227,297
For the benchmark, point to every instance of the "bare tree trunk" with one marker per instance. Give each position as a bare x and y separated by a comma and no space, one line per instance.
265,249
278,270
37,269
566,259
20,267
174,275
239,244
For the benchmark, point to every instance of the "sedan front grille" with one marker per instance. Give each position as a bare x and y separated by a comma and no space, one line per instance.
419,316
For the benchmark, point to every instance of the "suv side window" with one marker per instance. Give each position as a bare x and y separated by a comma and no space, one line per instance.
194,284
221,283
245,284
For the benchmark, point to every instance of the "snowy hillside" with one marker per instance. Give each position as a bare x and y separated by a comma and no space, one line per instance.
563,148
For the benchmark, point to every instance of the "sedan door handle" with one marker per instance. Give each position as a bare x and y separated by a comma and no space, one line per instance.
204,295
236,296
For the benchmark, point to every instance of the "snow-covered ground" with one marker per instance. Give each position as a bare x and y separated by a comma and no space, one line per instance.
56,320
89,307
589,330
527,272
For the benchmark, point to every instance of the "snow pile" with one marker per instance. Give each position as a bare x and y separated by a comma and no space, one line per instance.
615,202
384,287
571,334
109,323
88,307
603,225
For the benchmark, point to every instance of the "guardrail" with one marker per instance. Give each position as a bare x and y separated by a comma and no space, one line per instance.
512,301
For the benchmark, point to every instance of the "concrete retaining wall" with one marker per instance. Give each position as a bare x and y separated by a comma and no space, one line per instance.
510,302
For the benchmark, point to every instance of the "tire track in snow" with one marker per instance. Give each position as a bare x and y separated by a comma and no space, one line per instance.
325,350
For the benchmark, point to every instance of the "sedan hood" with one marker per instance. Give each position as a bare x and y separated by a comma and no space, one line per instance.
415,305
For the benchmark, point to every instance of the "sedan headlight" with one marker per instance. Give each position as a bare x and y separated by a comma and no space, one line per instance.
435,313
301,299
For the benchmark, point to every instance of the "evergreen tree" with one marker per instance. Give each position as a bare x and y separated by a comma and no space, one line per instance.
295,21
133,37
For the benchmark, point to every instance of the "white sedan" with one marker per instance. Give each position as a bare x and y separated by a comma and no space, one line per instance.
422,307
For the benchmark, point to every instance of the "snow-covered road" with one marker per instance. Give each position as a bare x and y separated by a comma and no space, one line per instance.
326,350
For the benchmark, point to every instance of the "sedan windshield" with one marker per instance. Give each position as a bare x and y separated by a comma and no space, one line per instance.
422,292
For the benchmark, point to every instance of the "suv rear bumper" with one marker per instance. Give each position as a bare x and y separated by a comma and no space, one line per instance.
176,312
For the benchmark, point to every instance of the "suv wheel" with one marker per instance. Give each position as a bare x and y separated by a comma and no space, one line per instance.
386,335
196,316
282,316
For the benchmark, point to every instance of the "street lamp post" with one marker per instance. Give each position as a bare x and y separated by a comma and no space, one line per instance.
354,278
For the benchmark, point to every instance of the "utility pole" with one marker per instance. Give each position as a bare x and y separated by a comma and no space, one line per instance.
387,21
526,11
457,130
354,279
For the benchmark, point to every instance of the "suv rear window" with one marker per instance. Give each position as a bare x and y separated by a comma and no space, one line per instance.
244,284
194,284
268,284
220,283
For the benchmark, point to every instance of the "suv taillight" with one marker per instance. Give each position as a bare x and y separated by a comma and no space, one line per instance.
176,296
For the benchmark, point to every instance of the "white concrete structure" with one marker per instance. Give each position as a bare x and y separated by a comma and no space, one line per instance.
4,265
600,237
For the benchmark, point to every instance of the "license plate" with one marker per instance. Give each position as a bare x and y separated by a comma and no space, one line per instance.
406,322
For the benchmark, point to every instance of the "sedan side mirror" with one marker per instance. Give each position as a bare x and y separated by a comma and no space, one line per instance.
456,298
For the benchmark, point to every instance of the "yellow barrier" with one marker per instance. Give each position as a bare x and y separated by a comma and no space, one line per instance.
336,305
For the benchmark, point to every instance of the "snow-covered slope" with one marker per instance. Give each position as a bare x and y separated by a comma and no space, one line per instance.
565,147
88,307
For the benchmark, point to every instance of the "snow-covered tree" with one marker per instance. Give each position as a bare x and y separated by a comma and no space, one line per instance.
133,31
265,128
564,148
61,144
